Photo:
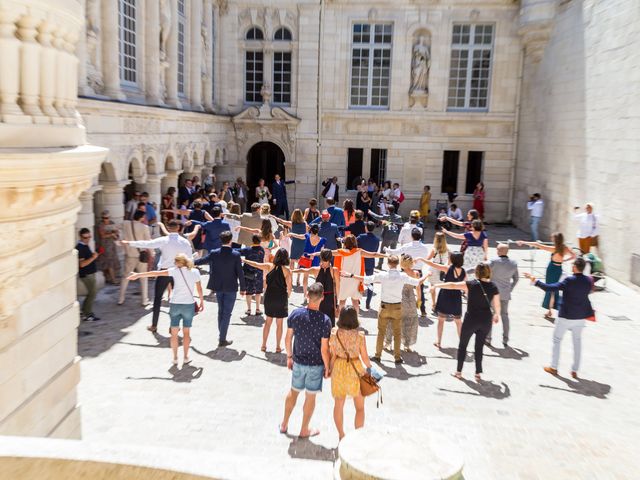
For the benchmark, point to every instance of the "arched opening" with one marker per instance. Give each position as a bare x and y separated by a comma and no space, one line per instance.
264,160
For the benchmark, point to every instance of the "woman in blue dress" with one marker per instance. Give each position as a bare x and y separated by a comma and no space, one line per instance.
313,243
253,276
559,253
298,226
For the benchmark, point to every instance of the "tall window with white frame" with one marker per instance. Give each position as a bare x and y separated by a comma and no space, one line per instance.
182,45
371,65
253,65
470,69
282,66
127,43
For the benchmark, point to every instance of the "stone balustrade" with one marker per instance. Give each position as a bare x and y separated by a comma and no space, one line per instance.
38,73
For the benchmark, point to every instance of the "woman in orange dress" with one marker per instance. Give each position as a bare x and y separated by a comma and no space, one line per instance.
348,349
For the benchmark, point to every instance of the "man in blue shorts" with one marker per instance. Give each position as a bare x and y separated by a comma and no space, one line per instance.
307,357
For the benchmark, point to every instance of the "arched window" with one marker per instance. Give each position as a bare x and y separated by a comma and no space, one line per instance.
128,44
255,33
283,34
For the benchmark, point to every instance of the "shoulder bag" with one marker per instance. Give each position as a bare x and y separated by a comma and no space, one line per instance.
485,297
368,384
195,304
143,255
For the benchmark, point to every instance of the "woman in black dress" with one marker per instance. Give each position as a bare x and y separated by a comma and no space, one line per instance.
483,307
449,303
276,295
252,275
329,277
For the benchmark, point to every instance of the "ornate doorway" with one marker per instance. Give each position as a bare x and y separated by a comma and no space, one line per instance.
264,160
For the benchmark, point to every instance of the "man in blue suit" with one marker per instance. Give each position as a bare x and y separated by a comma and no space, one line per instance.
279,193
336,214
329,231
227,265
213,229
574,310
369,243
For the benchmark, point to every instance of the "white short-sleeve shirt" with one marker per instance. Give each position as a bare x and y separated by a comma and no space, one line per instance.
184,289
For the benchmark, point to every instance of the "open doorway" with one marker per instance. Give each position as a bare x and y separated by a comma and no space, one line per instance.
264,160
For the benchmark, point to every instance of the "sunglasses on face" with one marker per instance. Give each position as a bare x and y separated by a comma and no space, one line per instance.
86,237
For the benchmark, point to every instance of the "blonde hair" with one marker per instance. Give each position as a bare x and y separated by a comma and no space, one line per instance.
182,260
265,209
406,262
440,243
296,216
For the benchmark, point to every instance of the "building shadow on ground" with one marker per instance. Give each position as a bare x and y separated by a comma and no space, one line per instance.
484,388
222,354
304,448
508,352
186,374
588,388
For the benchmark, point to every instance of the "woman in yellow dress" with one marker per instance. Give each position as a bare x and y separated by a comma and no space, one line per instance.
348,350
425,202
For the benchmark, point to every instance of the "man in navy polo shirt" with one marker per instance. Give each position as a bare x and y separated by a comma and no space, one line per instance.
307,343
369,243
213,229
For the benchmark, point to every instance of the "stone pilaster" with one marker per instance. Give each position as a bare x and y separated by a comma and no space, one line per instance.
110,50
207,81
172,54
47,72
196,55
10,112
152,53
30,68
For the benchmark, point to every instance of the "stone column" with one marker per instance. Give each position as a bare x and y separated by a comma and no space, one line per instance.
30,69
111,198
207,86
10,112
71,91
152,53
111,50
48,72
154,188
86,215
195,57
61,72
172,70
81,52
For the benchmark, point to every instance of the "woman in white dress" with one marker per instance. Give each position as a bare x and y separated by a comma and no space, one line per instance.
350,261
262,193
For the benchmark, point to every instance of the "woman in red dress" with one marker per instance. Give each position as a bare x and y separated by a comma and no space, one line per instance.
478,199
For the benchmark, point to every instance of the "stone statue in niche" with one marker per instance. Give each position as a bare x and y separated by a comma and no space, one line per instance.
94,75
420,66
165,27
265,92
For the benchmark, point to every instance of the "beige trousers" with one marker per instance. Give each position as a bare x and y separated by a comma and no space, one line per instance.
132,264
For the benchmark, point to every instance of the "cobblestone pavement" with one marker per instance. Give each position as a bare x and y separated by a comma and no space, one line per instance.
519,423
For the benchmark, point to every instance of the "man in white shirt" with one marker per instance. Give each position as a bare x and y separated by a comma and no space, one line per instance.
588,228
169,246
405,235
455,212
135,230
416,249
392,282
535,205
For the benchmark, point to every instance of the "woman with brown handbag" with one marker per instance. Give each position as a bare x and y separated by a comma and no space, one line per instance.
348,350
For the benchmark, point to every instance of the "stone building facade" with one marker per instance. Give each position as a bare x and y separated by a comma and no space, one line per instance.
529,95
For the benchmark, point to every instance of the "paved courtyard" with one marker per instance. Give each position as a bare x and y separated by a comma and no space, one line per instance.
519,423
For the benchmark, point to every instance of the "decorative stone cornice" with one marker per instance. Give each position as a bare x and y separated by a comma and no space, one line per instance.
535,25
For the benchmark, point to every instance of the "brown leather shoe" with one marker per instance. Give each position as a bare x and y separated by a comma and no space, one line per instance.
550,370
574,375
151,328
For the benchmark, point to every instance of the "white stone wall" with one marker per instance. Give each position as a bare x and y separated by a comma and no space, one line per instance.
579,137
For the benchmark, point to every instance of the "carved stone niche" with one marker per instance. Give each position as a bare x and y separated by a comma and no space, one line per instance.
265,124
420,67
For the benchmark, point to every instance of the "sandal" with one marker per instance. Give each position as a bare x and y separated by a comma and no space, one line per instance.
457,375
478,378
263,349
248,313
548,316
258,312
278,350
437,345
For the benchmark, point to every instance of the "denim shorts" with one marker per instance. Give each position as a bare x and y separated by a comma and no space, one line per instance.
307,377
181,311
